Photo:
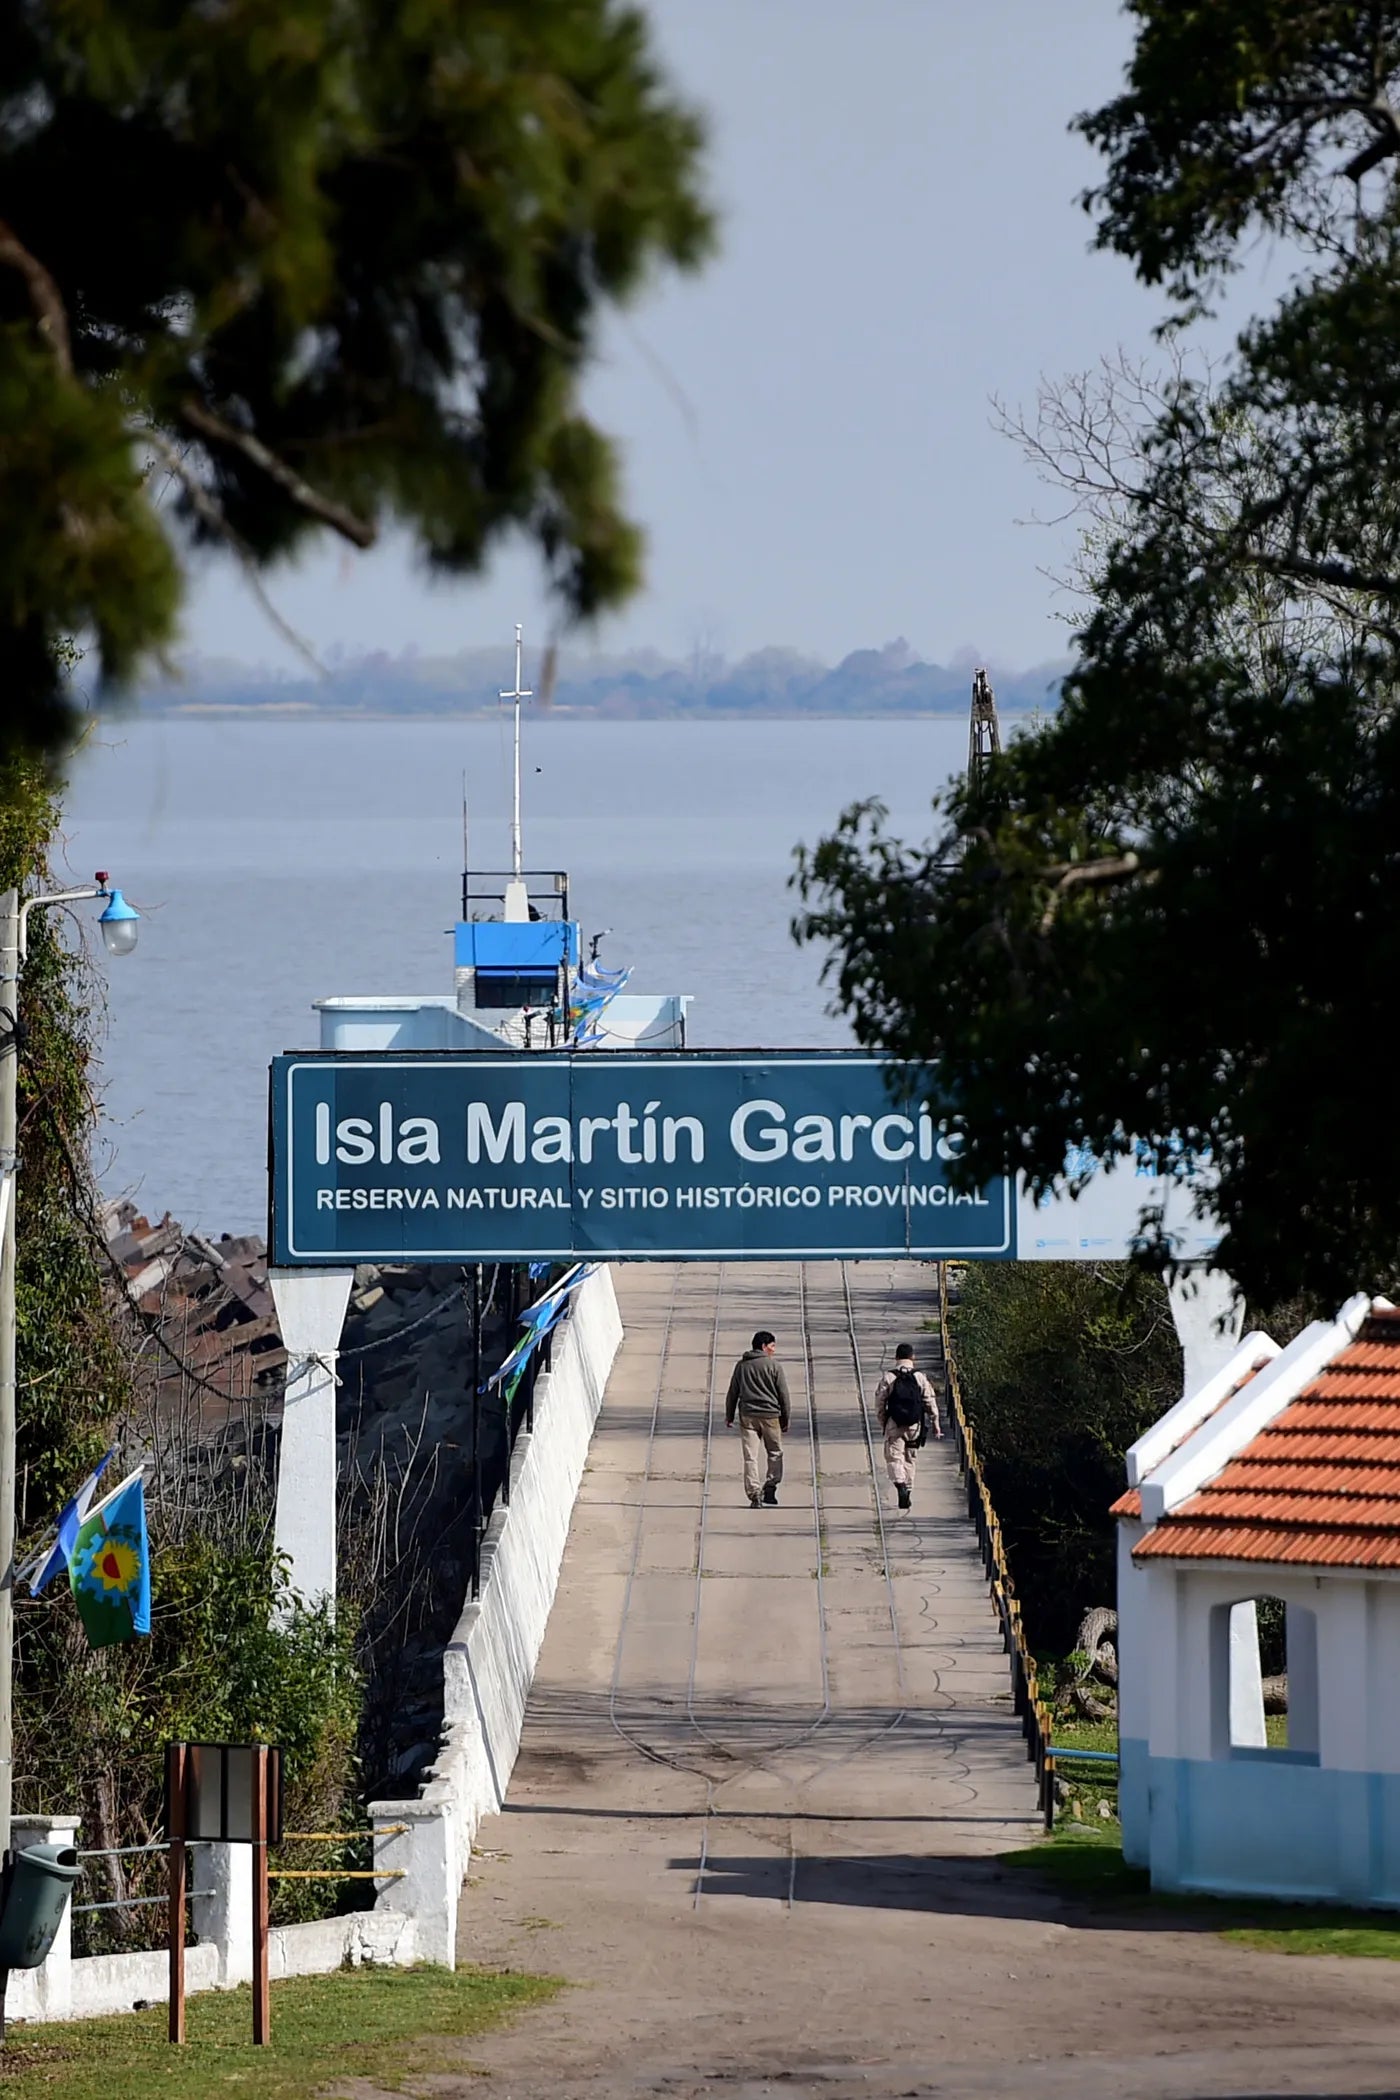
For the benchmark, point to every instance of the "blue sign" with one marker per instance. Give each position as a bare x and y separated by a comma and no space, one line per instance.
527,1155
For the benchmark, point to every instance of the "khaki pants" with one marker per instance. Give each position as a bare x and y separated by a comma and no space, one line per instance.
761,1434
901,1457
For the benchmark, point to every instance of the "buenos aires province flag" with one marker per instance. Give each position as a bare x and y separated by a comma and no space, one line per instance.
110,1566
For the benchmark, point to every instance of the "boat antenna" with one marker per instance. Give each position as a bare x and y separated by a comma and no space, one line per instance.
517,694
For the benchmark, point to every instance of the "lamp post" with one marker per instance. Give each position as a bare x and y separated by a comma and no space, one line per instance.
119,926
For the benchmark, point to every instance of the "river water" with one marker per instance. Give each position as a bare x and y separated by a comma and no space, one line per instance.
278,861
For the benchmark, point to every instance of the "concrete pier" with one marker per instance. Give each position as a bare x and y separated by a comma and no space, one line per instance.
815,1689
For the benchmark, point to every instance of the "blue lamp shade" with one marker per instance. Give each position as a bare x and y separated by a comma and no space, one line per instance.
119,923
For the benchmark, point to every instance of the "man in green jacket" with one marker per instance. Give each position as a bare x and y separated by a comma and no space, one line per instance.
758,1400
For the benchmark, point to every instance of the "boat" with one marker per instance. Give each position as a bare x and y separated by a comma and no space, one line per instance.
521,978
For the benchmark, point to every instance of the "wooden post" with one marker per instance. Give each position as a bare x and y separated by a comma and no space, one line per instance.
177,1816
262,2011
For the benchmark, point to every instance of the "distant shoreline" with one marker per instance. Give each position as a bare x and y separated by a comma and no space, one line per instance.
303,711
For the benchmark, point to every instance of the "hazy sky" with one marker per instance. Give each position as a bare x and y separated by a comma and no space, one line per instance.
806,424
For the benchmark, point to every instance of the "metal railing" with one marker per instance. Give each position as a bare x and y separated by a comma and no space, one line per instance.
290,1837
339,1837
129,1852
1031,1710
546,888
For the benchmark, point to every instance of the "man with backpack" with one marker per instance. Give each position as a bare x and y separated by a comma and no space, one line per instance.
758,1400
908,1409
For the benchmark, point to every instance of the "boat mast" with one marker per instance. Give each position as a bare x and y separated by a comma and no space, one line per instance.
517,694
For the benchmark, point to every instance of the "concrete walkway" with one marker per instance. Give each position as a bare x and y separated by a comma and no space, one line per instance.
770,1756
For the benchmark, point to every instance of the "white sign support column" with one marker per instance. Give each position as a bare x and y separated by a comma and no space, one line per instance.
1208,1314
311,1312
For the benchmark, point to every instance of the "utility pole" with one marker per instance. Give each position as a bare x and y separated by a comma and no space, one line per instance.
9,1121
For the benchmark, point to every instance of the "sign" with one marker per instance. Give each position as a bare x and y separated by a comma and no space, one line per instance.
221,1793
662,1155
1104,1221
705,1155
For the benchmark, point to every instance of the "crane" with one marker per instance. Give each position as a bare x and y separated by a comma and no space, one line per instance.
984,732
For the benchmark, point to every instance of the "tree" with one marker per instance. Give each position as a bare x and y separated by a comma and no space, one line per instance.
1063,1365
1245,114
325,265
1173,910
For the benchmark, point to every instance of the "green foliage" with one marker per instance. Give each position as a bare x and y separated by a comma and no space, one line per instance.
1063,1365
84,549
231,1657
1172,912
1243,114
72,1374
323,264
371,2029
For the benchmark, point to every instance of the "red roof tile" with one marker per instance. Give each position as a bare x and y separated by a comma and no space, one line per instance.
1376,1415
1129,1504
1226,1502
1171,1540
1369,1352
1320,1486
1336,1446
1300,1482
1354,1385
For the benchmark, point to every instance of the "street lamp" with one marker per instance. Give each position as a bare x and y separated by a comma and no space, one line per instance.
119,924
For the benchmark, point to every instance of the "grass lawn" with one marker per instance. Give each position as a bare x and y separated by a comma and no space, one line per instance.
1088,1862
1086,1735
384,2025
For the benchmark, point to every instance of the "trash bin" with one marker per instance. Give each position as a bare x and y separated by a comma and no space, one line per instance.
39,1885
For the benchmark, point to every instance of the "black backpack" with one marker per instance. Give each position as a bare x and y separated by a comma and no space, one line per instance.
905,1406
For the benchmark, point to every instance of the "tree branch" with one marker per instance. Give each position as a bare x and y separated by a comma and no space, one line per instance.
44,295
1340,574
205,507
1081,873
1386,141
215,431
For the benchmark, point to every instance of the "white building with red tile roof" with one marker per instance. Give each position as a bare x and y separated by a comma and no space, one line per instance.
1278,1477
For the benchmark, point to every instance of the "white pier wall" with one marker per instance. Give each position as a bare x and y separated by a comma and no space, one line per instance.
489,1664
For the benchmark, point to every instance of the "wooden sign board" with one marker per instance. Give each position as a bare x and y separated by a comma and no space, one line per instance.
230,1794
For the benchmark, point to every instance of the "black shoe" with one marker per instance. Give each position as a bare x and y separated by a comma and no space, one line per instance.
770,1492
903,1494
754,1501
